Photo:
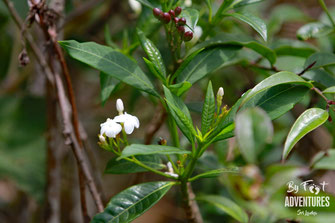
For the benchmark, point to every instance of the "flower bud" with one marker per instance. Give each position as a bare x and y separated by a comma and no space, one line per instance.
135,6
181,29
188,36
220,92
102,139
182,21
177,11
157,13
172,14
119,106
162,142
166,18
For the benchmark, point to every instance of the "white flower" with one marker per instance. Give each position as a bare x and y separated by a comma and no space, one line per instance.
119,106
102,139
110,128
220,92
188,3
129,122
135,6
170,169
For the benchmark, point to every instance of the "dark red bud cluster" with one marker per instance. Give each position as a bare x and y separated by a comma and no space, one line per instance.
166,17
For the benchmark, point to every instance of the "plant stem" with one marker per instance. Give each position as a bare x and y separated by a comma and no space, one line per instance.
324,7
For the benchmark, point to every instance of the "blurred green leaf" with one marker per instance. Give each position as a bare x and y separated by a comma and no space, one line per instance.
253,131
139,149
313,30
307,121
255,22
208,109
320,76
214,173
238,40
283,77
330,90
191,16
132,202
226,205
108,85
243,3
322,60
286,47
146,3
153,53
204,63
115,166
180,114
110,62
324,160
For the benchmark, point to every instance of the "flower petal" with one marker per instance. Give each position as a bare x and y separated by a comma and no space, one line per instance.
128,127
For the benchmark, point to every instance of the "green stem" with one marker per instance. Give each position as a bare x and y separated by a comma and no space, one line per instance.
173,131
124,134
324,7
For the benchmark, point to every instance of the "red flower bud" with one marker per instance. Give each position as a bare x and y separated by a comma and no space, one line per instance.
182,21
166,17
188,36
172,14
181,29
157,13
177,10
176,20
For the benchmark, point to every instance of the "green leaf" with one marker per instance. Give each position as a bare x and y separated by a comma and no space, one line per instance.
307,121
153,53
110,62
146,3
253,131
255,22
180,114
324,161
277,100
205,62
140,149
133,202
293,48
321,59
108,85
115,166
153,69
191,16
208,109
283,77
320,76
243,3
180,89
313,30
330,90
238,40
226,205
214,173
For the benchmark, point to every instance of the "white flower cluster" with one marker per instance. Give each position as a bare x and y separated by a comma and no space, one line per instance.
112,127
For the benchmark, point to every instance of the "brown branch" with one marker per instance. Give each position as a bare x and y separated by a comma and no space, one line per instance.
191,207
71,135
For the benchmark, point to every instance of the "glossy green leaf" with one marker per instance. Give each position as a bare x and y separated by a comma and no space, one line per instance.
324,161
180,114
108,85
283,77
321,59
238,40
253,131
152,52
204,63
320,76
225,5
243,3
191,16
153,69
140,149
110,62
307,121
133,202
181,88
226,205
215,173
313,30
255,22
330,90
115,166
277,100
208,109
